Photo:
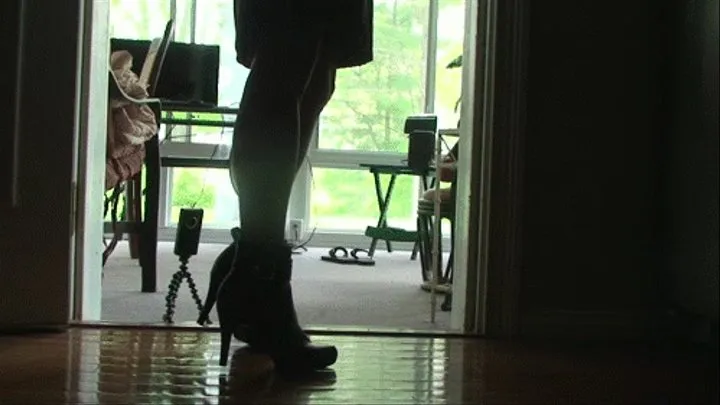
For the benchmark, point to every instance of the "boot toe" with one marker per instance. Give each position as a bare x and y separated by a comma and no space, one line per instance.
306,358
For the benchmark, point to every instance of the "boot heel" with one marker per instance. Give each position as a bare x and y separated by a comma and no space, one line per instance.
204,318
220,270
225,338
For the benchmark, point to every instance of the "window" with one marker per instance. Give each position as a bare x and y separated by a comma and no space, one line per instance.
185,19
216,26
363,123
371,102
448,81
209,189
139,19
345,200
211,22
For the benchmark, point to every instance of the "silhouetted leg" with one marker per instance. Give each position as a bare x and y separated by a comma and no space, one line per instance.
318,93
269,144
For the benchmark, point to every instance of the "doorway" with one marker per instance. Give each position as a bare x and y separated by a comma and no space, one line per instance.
468,286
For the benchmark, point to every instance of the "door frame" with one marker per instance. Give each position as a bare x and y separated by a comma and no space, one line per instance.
489,220
504,261
94,48
490,200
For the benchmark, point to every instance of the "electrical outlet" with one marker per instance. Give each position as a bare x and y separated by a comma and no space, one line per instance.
295,230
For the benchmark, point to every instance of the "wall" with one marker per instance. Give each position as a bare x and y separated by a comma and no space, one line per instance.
621,217
691,161
590,194
9,41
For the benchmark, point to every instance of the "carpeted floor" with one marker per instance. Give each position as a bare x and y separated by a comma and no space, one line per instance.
386,295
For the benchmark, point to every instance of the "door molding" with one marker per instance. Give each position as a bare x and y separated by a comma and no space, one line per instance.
92,78
501,199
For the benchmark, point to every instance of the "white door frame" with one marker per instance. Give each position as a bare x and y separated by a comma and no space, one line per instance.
93,107
490,169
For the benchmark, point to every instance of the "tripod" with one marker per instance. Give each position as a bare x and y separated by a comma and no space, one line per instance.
174,287
187,240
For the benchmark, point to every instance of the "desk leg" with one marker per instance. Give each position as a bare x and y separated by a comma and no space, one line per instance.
383,205
149,236
133,211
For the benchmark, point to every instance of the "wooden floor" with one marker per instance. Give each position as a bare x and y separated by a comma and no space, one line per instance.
123,366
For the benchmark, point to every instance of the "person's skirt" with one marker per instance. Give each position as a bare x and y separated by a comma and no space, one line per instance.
346,27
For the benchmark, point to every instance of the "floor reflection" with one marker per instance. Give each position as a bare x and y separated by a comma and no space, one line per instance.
166,367
162,366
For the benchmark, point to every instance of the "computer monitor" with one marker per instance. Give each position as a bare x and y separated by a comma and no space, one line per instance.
189,74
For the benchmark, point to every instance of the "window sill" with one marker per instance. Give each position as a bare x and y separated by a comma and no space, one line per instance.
321,239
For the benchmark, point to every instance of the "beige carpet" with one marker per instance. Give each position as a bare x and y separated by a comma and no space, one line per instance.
387,295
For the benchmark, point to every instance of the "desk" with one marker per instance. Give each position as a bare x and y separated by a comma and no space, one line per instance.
169,107
452,132
204,156
148,228
381,231
217,156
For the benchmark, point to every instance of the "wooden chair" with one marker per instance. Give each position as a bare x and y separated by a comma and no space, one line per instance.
142,229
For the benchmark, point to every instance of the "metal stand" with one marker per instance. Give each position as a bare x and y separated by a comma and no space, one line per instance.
174,287
436,258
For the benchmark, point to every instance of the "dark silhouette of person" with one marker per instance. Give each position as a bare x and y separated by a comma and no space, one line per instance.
293,49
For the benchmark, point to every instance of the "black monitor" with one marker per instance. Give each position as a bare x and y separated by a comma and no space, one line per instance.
189,73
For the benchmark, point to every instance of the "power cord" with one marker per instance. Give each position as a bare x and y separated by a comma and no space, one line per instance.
302,245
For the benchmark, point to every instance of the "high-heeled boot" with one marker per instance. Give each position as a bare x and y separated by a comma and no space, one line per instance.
220,270
255,304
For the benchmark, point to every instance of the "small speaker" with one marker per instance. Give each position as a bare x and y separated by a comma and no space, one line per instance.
187,238
421,131
423,122
421,148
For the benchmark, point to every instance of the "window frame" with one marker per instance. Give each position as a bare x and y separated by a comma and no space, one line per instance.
300,200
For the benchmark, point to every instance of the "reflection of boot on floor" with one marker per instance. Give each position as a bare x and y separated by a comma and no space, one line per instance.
251,379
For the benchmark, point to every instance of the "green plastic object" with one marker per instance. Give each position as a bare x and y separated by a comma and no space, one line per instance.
391,234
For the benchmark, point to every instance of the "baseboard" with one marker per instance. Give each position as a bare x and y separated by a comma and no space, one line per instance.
15,329
321,239
584,325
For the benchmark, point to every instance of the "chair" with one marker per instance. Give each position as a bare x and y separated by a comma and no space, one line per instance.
426,227
142,230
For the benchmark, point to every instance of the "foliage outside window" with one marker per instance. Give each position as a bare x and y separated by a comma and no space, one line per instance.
345,199
448,82
371,102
